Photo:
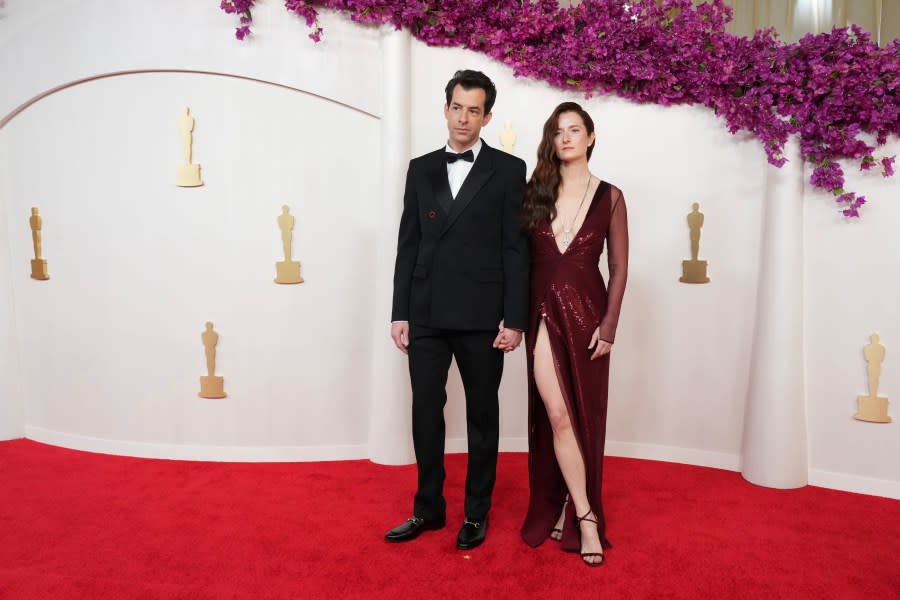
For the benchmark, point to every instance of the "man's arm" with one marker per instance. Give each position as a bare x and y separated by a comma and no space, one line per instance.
407,250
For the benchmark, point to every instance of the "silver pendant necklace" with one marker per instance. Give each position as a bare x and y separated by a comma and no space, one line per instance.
568,230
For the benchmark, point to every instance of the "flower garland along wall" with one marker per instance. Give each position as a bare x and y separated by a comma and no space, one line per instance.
837,91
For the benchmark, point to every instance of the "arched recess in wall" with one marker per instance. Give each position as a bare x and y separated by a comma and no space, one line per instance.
108,350
15,112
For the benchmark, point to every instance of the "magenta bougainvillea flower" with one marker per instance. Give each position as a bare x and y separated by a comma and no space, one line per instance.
887,164
829,89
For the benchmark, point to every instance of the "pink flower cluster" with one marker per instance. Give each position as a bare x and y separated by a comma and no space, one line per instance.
837,91
241,7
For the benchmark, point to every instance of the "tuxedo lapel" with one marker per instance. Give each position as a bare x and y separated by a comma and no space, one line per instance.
440,184
478,176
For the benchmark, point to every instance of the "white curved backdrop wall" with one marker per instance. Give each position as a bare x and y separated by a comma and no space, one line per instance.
54,42
851,292
110,345
12,402
106,355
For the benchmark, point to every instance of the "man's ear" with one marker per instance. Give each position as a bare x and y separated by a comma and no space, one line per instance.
487,118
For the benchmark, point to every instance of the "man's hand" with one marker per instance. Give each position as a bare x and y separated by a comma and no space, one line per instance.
400,335
507,339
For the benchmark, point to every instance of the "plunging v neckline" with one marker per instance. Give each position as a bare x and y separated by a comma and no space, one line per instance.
578,232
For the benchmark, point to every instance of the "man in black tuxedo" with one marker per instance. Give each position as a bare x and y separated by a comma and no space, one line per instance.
461,275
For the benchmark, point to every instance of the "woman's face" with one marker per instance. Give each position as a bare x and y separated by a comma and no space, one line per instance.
571,139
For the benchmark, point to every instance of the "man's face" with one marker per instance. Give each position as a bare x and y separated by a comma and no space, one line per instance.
465,117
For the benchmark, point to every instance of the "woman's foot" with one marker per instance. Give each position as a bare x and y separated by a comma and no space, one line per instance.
556,532
591,548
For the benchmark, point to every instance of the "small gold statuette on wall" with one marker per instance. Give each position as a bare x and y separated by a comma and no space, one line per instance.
873,408
287,271
188,174
508,138
694,271
211,386
38,265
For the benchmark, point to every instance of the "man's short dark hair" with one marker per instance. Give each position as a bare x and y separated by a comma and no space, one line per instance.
470,80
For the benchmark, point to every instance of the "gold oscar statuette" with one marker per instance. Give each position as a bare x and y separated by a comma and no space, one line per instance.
873,408
694,270
211,385
187,174
508,138
38,264
287,270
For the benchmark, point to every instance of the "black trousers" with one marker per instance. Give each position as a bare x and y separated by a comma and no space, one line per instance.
481,367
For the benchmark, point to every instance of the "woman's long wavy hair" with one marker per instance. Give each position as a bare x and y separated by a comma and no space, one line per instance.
543,187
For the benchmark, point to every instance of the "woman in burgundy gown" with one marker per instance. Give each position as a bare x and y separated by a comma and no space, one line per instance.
570,214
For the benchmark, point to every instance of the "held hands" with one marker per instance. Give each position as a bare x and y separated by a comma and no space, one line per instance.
400,335
507,339
603,347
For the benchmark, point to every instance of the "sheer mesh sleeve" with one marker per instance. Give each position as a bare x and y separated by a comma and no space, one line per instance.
617,257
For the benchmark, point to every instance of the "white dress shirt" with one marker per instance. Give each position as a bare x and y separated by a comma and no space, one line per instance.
459,170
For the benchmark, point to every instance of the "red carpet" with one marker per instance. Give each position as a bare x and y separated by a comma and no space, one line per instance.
81,525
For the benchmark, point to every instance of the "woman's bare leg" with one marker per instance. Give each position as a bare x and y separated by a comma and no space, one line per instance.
568,454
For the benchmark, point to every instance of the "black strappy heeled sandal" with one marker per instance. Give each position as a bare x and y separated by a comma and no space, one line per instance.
585,555
561,517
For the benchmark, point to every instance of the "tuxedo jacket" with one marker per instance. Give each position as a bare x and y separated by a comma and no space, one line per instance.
462,263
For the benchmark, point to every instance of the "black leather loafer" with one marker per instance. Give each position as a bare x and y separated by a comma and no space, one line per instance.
472,534
411,529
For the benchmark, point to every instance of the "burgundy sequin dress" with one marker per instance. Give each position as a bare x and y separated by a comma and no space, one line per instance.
568,292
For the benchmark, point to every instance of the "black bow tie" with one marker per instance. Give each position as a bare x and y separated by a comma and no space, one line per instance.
452,157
